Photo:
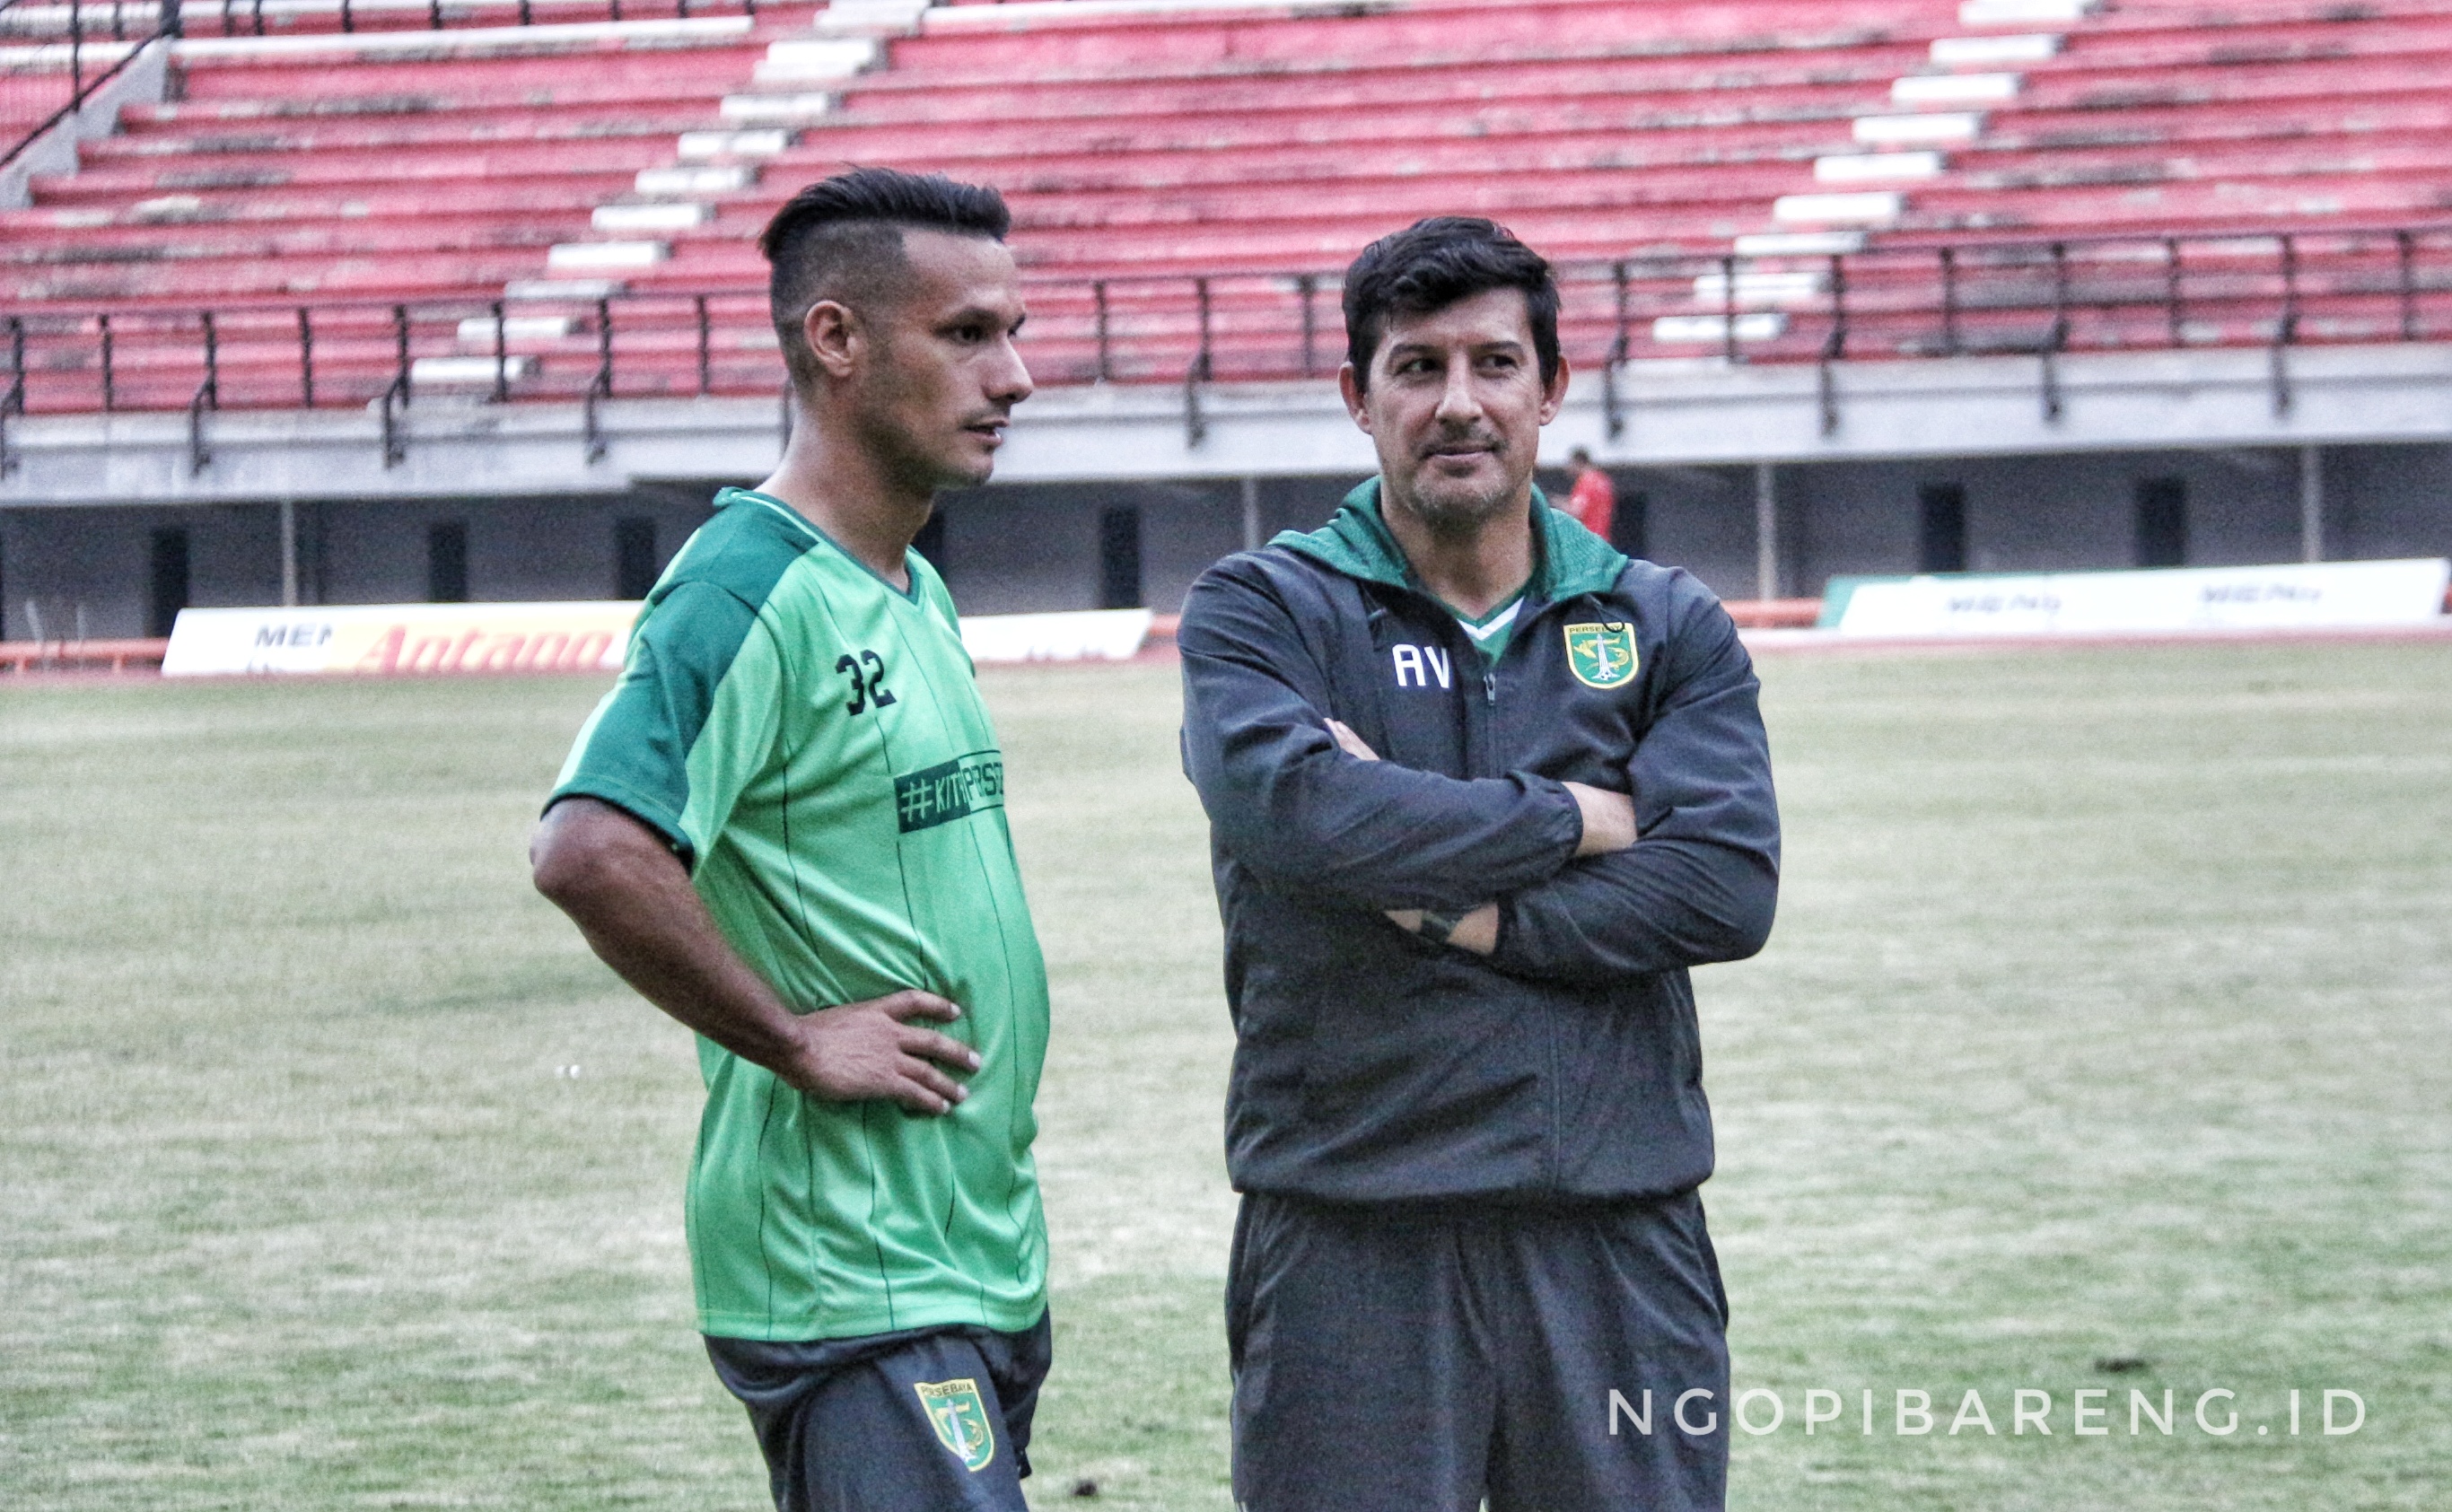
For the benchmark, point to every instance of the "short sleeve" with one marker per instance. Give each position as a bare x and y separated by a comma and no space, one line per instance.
691,723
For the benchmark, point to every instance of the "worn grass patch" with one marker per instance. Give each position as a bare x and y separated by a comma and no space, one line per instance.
2106,1022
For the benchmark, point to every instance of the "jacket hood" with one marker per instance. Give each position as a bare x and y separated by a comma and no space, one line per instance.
1568,560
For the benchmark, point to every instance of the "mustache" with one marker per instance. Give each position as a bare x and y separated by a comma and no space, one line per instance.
1465,440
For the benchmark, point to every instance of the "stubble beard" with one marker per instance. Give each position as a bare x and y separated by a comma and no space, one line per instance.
1456,511
919,458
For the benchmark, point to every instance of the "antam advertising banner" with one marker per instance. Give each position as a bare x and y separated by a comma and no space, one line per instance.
2179,601
401,640
427,639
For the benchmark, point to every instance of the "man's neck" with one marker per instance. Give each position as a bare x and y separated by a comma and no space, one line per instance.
1473,571
842,491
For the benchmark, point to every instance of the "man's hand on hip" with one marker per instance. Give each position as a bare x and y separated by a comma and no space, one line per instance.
874,1049
632,897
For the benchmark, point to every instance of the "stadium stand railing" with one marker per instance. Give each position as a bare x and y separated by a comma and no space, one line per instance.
53,56
1896,299
326,214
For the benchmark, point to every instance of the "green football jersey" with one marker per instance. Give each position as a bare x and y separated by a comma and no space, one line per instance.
810,739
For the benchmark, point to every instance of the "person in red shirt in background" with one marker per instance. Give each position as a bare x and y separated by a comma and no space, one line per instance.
1594,502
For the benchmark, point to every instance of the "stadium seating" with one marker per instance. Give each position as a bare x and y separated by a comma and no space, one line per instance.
478,202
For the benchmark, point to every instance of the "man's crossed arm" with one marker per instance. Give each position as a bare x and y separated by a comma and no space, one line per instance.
1609,826
1542,876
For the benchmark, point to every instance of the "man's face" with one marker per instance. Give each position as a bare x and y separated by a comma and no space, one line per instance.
1456,406
940,377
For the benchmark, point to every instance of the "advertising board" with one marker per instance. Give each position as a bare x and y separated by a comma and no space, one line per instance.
427,639
2314,595
401,640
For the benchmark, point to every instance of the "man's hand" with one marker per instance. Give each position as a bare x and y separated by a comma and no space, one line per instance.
1476,931
873,1050
632,898
1352,744
1609,820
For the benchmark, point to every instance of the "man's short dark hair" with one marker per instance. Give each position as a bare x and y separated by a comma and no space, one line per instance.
841,239
1430,265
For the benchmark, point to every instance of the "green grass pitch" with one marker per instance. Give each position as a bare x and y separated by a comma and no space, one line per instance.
2109,1021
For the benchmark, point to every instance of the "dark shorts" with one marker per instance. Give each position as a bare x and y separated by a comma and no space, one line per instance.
1401,1358
928,1420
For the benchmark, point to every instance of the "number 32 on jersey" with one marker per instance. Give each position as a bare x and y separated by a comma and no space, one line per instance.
868,674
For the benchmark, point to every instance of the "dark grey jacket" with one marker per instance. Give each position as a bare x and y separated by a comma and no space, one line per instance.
1371,1065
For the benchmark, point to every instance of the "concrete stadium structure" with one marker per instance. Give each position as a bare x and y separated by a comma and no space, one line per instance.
371,315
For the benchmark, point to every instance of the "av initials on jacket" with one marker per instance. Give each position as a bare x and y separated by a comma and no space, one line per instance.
1418,665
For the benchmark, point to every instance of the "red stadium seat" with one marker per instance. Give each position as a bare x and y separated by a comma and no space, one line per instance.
1654,148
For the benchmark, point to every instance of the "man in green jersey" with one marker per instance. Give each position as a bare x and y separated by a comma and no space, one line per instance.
785,827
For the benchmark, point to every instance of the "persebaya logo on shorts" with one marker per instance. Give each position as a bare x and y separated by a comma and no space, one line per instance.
1601,656
949,791
960,1420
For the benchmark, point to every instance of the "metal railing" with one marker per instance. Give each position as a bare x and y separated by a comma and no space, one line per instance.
61,51
67,50
261,18
13,399
2274,291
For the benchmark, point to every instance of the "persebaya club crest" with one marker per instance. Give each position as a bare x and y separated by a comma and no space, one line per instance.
960,1420
1601,656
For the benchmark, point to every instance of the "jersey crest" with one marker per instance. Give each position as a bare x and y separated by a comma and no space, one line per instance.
960,1420
1601,656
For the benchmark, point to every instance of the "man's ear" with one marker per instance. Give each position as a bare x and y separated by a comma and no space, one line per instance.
836,338
1348,386
1554,393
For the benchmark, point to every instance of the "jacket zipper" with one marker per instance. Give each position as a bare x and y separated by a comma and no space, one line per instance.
1553,1151
1485,763
1485,757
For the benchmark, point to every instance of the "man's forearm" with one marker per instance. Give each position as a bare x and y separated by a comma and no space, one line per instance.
1609,826
694,975
1286,805
1667,904
633,902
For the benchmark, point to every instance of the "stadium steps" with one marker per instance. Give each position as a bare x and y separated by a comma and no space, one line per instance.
479,141
1983,139
979,44
382,206
1145,149
532,162
455,119
222,89
248,19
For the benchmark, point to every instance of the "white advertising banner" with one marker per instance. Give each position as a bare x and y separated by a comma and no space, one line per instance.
421,639
2315,595
1085,635
401,640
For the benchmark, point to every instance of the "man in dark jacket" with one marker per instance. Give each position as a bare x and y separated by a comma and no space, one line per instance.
1466,1111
